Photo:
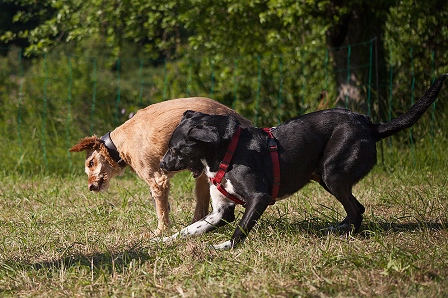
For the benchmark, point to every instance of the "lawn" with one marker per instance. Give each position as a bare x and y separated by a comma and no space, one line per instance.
59,240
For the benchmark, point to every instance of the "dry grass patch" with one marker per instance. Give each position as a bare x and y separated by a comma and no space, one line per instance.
60,240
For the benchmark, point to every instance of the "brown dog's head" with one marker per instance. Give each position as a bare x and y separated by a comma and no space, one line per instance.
99,166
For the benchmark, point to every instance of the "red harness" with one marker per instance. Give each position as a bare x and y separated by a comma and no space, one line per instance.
224,165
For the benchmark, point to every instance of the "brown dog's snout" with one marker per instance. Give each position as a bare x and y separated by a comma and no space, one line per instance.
96,185
93,187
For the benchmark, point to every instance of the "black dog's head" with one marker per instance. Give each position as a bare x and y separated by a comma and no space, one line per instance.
197,140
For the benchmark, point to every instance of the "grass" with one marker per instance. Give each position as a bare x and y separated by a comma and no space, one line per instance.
59,240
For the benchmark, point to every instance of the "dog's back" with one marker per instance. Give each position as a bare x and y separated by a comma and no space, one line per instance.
306,141
147,129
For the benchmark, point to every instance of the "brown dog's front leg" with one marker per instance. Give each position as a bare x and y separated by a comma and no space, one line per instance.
159,190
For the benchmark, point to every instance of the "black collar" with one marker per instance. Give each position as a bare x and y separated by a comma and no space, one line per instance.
112,150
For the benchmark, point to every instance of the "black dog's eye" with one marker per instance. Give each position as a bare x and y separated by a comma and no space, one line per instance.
187,150
173,151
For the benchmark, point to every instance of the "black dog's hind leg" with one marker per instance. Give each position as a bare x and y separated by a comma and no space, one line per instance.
354,217
340,186
352,206
349,158
353,203
254,209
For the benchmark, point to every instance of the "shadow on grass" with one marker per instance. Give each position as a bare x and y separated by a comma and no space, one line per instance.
100,261
120,259
113,260
319,228
394,227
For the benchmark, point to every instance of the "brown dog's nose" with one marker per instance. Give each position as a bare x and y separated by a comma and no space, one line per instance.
92,187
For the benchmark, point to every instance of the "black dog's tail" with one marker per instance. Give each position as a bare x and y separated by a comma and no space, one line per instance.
406,120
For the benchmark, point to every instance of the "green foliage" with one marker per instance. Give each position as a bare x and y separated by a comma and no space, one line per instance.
146,23
95,63
417,25
162,27
52,102
415,33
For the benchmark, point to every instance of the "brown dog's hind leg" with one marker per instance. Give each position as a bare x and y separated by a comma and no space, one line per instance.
202,195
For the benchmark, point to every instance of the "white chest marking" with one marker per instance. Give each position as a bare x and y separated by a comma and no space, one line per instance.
227,184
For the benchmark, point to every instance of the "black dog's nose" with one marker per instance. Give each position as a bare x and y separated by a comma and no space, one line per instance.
162,165
168,164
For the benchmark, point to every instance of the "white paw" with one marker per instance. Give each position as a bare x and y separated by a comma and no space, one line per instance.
167,240
156,240
223,246
338,228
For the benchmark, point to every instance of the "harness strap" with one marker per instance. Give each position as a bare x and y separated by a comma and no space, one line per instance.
224,165
275,164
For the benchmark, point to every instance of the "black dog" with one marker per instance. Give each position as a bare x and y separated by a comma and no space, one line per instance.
334,147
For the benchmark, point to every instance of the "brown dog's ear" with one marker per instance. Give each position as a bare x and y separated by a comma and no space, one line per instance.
86,144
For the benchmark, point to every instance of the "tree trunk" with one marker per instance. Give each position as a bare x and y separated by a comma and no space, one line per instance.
359,59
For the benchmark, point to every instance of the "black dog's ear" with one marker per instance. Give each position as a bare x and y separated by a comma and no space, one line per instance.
189,114
208,134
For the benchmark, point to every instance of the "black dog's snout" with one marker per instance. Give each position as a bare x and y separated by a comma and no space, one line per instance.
166,163
163,164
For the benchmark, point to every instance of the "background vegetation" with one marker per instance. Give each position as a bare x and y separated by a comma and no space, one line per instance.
74,68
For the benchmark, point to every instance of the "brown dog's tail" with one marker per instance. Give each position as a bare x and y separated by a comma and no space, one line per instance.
408,119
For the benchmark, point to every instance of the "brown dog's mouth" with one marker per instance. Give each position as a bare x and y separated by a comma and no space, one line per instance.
96,186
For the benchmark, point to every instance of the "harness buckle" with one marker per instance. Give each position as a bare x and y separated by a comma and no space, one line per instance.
224,166
272,145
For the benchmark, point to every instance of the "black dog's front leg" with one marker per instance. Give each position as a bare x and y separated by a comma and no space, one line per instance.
253,212
222,214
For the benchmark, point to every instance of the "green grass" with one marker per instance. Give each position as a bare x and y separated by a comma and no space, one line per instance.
59,240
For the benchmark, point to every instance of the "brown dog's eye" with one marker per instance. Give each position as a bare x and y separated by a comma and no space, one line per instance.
91,163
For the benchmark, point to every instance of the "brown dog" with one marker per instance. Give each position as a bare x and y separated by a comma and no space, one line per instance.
140,143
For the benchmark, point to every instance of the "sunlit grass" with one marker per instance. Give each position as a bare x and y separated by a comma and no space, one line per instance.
58,239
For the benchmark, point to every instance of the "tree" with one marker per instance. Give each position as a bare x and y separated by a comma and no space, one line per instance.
233,28
20,17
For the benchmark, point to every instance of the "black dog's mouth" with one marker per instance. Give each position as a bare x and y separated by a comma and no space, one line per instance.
196,173
196,168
